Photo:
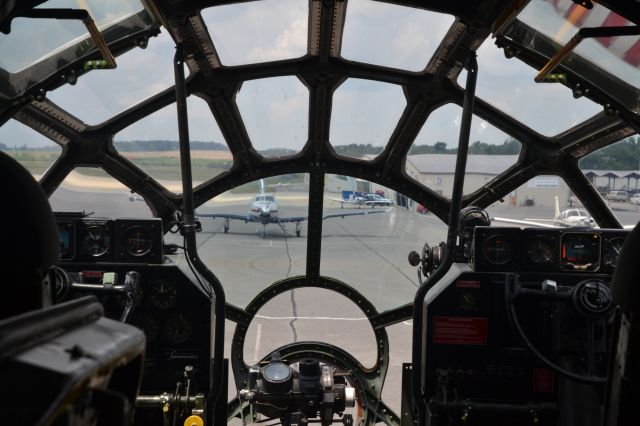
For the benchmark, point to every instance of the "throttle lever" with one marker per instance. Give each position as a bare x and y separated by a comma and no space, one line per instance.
131,284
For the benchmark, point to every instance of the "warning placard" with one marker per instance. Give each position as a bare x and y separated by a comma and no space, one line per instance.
543,380
460,331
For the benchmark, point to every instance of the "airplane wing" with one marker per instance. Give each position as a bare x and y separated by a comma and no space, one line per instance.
279,219
362,213
527,222
348,201
246,218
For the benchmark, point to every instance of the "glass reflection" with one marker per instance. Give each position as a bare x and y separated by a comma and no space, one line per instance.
249,237
92,187
261,31
366,241
615,173
275,112
364,115
310,314
509,85
432,157
28,147
391,35
101,94
545,201
152,144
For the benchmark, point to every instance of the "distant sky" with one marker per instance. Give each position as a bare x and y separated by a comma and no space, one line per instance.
276,109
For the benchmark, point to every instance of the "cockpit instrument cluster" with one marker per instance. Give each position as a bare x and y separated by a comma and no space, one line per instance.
547,250
94,239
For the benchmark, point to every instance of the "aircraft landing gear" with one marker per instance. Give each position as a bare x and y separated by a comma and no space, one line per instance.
226,226
297,229
264,231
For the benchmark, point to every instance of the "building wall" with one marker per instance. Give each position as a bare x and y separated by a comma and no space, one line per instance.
539,191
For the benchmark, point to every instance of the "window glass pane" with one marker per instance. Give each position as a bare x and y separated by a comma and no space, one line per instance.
507,84
34,151
534,205
262,31
366,239
245,245
562,19
92,190
32,39
363,117
275,112
101,94
615,171
391,35
310,314
152,144
432,158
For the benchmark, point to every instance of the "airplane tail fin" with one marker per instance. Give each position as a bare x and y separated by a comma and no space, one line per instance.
262,186
557,212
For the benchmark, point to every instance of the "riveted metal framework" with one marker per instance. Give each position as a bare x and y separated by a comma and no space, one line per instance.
322,70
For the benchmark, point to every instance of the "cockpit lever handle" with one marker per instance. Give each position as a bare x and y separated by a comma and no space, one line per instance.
550,286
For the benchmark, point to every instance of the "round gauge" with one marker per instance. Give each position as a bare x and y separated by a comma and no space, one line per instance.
62,283
593,298
497,249
612,251
178,329
147,323
163,295
580,251
96,241
540,250
137,241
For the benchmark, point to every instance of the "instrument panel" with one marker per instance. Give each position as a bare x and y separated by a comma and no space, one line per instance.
547,250
94,239
174,314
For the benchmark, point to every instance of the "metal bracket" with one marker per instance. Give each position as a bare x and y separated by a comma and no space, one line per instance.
583,33
85,17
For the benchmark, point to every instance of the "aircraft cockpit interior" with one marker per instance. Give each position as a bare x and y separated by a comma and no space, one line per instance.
284,212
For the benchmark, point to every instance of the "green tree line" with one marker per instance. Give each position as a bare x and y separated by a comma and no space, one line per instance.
623,155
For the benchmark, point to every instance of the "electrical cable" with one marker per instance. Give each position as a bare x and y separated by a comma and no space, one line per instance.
515,325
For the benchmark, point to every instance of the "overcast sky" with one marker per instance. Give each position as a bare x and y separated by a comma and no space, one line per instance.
276,109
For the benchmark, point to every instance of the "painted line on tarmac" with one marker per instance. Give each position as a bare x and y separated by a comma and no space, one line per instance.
256,348
321,318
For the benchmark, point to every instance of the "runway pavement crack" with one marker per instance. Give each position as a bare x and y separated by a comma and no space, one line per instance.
203,240
295,316
377,253
293,293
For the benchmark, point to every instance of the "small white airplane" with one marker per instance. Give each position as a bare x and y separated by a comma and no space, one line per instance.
366,200
263,209
570,218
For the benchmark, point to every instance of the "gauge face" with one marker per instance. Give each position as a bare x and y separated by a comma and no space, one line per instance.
540,250
497,250
612,251
178,328
163,295
593,298
137,241
580,251
97,241
62,283
147,323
